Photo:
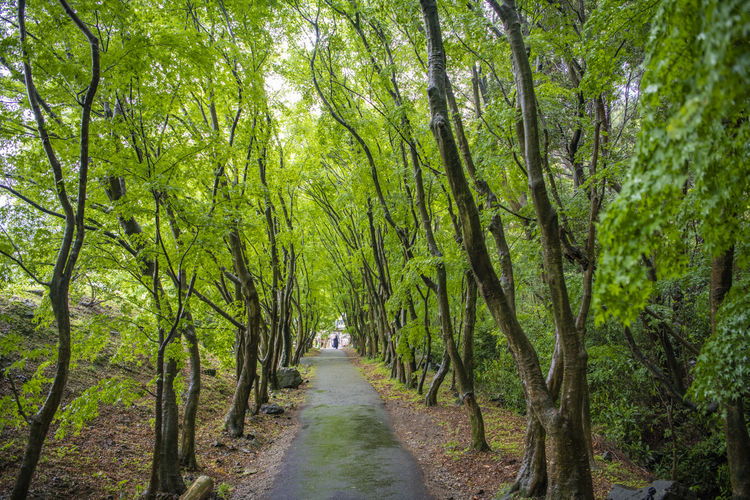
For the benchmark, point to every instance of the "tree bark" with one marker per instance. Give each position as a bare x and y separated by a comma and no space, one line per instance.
153,483
428,343
738,449
531,480
235,419
170,479
187,443
431,397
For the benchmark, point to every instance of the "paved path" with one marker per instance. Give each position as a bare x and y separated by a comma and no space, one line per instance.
346,448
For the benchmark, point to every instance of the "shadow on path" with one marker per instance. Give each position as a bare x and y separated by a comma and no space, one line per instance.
345,448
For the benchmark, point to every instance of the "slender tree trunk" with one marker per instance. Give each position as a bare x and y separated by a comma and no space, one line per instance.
153,484
463,374
187,443
428,354
478,439
235,419
40,422
240,338
262,393
70,246
273,381
531,480
431,397
170,479
738,449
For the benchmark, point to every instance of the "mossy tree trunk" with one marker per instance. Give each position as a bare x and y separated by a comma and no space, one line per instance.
187,443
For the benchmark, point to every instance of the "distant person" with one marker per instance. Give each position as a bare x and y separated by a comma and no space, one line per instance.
335,341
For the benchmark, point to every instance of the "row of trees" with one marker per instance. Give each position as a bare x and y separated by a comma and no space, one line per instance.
544,116
559,184
185,218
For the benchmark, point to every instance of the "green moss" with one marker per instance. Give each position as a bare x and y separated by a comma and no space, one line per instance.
331,427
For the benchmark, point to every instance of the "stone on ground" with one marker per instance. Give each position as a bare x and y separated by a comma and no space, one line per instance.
271,409
289,378
658,490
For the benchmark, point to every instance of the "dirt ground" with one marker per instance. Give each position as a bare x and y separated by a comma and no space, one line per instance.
110,458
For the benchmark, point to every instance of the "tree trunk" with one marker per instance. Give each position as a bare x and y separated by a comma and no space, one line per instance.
427,355
153,484
239,352
170,480
70,246
431,397
187,443
478,440
235,419
273,381
40,422
569,478
531,480
738,449
532,475
261,395
569,473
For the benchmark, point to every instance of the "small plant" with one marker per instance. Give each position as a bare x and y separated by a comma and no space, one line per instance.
223,490
453,449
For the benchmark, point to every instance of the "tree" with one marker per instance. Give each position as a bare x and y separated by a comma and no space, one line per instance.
569,475
691,167
72,238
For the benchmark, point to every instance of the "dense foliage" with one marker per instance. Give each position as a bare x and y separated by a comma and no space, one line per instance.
256,170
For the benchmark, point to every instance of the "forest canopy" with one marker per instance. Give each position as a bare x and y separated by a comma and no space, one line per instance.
546,200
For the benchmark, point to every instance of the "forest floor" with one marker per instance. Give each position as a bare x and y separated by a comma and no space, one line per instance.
110,458
438,438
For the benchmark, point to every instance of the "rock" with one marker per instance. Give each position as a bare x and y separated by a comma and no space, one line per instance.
289,378
272,409
28,311
199,490
211,372
607,455
250,471
498,399
658,490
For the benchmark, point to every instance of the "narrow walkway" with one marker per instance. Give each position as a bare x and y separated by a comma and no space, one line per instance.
346,448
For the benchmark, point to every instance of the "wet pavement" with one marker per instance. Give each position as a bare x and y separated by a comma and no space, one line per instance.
345,448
